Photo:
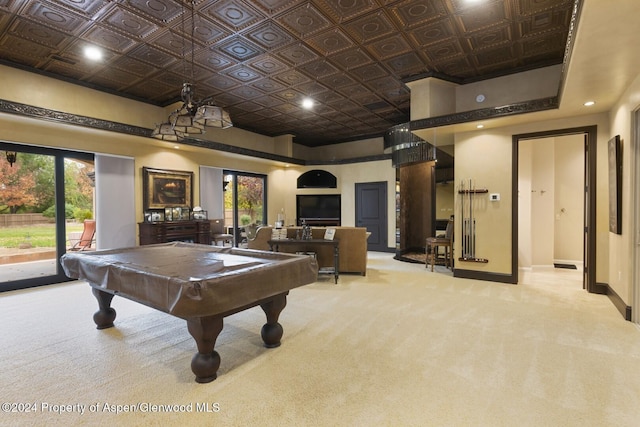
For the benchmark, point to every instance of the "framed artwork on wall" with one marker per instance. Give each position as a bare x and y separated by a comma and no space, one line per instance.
615,185
166,188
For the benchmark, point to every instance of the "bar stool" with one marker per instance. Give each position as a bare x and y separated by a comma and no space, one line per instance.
434,243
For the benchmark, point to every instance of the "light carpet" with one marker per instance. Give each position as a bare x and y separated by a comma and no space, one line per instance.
401,346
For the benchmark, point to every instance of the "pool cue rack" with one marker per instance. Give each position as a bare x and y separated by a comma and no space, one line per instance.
469,222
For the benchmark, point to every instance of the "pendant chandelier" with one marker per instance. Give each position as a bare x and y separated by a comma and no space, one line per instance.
194,115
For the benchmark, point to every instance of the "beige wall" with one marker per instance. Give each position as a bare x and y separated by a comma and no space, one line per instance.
347,150
542,201
35,89
485,159
621,247
513,88
245,139
568,210
525,174
432,97
445,200
485,156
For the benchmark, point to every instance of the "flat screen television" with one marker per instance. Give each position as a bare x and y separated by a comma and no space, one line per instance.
318,209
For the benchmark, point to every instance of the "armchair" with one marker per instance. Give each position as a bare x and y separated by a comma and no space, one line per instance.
218,233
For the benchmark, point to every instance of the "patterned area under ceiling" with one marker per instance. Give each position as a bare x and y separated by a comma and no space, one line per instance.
259,58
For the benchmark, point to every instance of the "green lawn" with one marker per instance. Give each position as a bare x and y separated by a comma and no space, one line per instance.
40,236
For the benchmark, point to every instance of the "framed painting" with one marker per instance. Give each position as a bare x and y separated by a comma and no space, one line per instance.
166,188
615,185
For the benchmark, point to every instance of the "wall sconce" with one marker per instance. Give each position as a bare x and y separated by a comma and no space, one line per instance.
11,157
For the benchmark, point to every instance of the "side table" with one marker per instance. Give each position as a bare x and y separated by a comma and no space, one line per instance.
310,245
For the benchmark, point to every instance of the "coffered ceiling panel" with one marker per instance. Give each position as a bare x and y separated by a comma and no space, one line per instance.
260,58
164,10
130,23
104,37
234,14
370,27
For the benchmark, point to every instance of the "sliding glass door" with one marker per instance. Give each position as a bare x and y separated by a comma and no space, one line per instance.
245,203
45,197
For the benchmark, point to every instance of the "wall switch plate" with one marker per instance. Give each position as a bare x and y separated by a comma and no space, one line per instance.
494,197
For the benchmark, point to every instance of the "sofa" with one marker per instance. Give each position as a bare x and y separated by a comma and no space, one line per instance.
352,245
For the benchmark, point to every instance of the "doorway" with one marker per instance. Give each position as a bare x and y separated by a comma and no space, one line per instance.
45,196
635,191
587,193
371,212
551,207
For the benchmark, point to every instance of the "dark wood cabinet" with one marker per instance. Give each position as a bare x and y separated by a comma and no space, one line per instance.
171,231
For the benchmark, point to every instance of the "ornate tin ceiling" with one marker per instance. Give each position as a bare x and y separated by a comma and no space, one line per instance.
259,58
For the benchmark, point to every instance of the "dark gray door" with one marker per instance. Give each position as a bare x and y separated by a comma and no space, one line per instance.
371,212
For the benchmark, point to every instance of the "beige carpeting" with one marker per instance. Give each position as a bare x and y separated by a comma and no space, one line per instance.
400,347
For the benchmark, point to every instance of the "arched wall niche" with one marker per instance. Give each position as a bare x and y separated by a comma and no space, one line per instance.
317,178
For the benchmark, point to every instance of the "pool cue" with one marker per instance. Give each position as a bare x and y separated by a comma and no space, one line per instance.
473,222
463,222
471,227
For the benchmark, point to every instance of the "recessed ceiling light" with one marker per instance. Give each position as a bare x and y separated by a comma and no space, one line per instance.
307,103
479,126
589,103
177,147
93,53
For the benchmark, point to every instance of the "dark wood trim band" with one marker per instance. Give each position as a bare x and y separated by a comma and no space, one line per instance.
532,106
622,307
70,119
349,161
568,50
219,146
483,275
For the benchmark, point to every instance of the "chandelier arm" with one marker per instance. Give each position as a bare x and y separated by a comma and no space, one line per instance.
194,114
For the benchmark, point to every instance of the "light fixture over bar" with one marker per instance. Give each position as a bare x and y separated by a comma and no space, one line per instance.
213,116
165,132
194,115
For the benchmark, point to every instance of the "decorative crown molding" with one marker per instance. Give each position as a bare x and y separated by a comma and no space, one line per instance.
71,119
533,106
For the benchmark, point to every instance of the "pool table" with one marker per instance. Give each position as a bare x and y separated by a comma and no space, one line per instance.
199,283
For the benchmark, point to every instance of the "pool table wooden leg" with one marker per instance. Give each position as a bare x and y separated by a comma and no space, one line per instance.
272,330
206,361
105,316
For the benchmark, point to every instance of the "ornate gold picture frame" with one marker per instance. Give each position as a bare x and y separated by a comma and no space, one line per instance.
166,188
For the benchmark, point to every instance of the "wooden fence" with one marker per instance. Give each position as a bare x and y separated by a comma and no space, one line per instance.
20,220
